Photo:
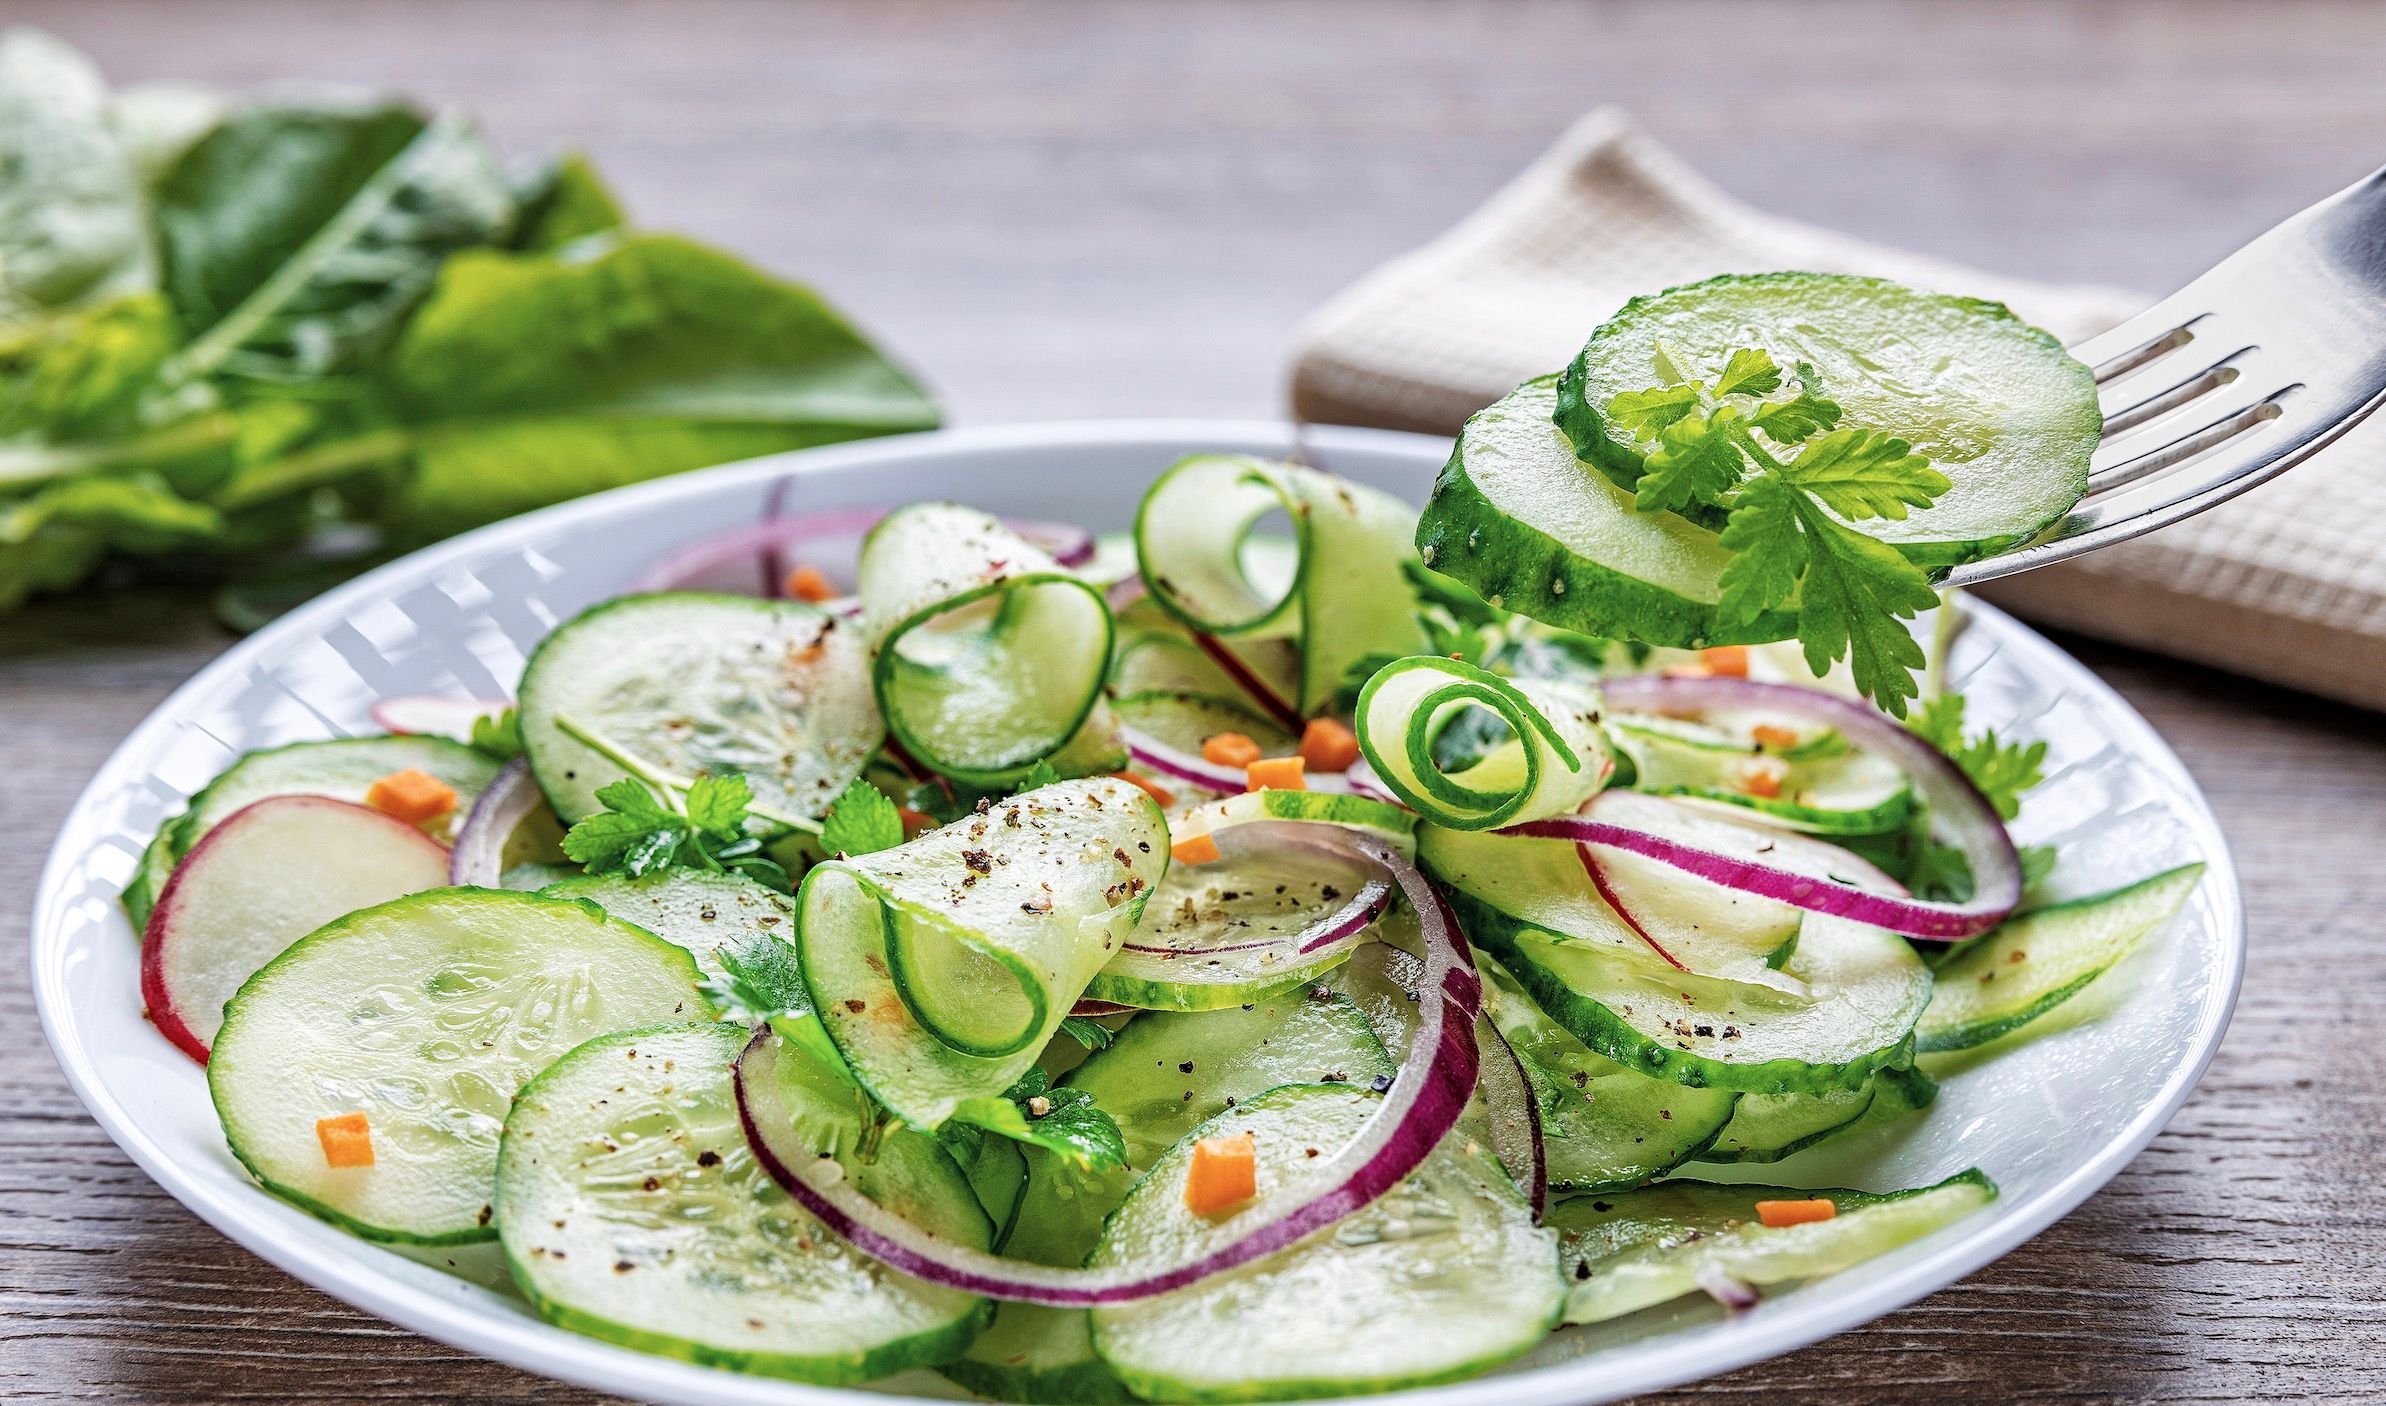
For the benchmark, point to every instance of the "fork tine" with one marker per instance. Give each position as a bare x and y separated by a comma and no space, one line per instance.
2304,308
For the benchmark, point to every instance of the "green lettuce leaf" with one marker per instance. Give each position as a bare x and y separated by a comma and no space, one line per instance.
72,220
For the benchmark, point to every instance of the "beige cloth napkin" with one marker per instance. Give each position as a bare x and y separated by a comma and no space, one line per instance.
2286,584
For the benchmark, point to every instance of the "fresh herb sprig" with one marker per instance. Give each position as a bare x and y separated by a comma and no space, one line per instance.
1458,624
2003,771
1789,478
1064,1121
641,831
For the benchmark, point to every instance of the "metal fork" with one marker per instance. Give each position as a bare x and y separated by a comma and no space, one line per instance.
2230,381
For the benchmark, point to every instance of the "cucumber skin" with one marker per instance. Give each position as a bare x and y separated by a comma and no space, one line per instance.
1515,567
1586,429
882,670
925,1350
1087,1384
1610,1035
1980,1032
381,1235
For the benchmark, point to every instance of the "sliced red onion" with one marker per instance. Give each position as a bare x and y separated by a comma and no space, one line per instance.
435,715
1154,755
1341,925
1736,1295
1248,680
478,858
1437,1076
1956,807
1608,895
829,538
1515,1116
1363,781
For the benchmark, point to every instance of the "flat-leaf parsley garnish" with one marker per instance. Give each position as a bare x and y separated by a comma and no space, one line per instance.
639,832
1789,478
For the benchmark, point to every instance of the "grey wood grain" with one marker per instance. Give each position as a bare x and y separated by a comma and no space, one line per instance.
1108,208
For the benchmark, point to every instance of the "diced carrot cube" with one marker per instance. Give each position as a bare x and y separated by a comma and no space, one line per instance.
1785,1213
1224,1174
1229,749
809,582
1149,787
1326,745
1686,671
1774,736
347,1140
1730,660
412,796
914,821
1195,849
1275,774
1761,777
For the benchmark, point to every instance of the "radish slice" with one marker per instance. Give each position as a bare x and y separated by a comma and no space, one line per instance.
1431,1089
759,555
271,873
432,715
480,857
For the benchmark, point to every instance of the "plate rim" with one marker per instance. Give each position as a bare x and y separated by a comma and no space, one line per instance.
251,1219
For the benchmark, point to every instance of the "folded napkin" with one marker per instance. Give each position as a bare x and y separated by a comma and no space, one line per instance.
2286,584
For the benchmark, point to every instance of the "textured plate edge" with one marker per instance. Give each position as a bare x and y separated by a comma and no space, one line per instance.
1786,1325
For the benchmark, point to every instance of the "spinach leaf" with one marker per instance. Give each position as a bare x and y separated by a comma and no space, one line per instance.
530,378
71,216
296,237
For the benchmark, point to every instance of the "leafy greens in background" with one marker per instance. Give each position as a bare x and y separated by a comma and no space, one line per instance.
228,331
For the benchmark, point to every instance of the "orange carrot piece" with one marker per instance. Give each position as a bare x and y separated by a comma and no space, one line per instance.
914,821
412,796
1224,1174
809,582
1774,736
1149,787
1195,849
1778,1214
1761,777
1229,749
1326,745
347,1140
1275,774
1729,660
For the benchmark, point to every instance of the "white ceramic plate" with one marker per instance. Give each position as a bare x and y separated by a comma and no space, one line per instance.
2051,1120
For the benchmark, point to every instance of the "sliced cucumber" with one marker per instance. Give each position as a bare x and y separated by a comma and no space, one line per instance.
1769,1127
1995,404
1186,720
1602,1125
1554,760
1532,529
632,1211
942,966
1378,818
1629,1250
2003,980
1846,1004
425,1014
150,875
676,686
689,908
1441,1277
1341,592
1162,1077
343,769
1223,933
989,657
1818,787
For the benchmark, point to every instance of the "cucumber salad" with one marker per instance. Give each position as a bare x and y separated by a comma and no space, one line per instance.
1306,944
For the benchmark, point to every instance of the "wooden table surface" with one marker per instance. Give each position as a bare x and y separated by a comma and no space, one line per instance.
1115,209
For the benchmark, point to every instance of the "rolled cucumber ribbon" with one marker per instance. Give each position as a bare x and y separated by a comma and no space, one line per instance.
941,967
990,657
1333,583
1553,760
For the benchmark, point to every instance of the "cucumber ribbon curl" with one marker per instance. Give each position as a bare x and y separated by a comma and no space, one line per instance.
1554,758
1435,1080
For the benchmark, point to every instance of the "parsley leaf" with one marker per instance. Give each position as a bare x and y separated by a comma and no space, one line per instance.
2002,771
1087,1032
1787,514
640,832
1038,776
759,978
863,821
1063,1121
717,805
497,735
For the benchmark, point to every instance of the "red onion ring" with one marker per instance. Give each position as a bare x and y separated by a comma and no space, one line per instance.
1346,922
434,715
1735,1294
1154,755
1608,896
1996,869
768,545
1436,1078
478,858
1248,680
1516,1137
